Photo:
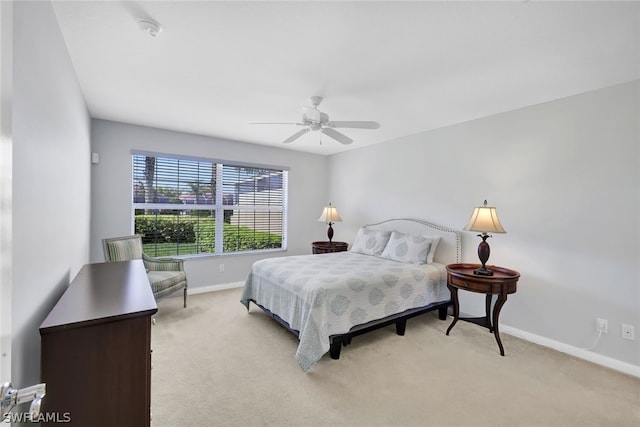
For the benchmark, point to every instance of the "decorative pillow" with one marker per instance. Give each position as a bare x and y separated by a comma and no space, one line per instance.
432,250
409,248
370,242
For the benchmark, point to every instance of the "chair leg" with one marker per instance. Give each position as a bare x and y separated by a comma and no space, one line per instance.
185,297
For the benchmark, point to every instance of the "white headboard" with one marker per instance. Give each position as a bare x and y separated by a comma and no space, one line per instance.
448,250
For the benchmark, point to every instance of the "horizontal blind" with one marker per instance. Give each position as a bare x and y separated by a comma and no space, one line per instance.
175,205
256,195
174,181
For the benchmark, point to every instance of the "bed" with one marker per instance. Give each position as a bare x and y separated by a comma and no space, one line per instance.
394,270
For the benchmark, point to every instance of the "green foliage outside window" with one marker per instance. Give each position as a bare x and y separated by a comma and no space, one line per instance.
170,235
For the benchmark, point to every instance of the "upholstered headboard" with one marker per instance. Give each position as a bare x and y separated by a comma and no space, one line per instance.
448,249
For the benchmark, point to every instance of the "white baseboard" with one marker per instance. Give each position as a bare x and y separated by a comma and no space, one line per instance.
212,288
581,353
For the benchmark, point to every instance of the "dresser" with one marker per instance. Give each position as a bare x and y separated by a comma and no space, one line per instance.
96,348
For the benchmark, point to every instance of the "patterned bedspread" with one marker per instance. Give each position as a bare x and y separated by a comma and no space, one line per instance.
327,294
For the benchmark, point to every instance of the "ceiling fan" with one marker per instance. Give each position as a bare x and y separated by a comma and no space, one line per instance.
315,120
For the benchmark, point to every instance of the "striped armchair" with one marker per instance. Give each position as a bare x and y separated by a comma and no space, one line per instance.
166,275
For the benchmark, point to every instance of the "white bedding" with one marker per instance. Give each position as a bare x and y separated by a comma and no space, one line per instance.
328,294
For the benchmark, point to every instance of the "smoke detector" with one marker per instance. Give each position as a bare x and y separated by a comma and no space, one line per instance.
150,27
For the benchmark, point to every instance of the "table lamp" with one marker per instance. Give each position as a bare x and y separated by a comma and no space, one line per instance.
485,220
330,215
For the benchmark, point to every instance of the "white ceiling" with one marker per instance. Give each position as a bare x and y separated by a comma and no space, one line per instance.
411,66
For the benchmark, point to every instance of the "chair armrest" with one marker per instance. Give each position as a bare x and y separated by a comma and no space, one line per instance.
162,264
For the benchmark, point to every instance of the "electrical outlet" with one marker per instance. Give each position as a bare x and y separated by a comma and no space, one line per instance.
221,268
628,332
602,325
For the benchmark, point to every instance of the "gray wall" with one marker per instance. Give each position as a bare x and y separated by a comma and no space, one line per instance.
565,178
111,190
51,203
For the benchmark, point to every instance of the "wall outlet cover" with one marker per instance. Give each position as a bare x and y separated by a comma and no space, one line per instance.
602,325
628,332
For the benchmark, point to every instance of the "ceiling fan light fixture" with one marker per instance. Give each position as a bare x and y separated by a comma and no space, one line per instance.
152,28
311,115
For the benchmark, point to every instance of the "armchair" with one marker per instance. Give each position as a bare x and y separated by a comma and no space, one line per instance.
166,275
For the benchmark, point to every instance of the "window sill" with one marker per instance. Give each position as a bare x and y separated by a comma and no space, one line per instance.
225,254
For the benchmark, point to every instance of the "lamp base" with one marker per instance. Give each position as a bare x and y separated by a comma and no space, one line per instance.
483,254
482,271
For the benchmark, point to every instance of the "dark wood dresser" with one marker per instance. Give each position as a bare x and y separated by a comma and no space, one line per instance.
96,348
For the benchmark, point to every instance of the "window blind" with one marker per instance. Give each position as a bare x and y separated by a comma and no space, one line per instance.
186,206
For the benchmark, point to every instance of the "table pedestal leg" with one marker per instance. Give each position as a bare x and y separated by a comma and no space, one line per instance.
496,314
456,307
487,304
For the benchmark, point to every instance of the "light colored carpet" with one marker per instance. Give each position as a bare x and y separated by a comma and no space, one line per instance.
217,365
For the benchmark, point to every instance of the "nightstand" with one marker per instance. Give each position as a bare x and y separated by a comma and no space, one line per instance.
327,247
502,283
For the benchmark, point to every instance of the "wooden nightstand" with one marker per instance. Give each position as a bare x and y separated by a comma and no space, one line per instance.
502,283
327,247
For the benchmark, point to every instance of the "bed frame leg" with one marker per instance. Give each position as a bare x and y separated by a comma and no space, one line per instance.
442,313
334,349
401,325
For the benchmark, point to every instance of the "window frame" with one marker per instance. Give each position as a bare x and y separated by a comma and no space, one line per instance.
218,207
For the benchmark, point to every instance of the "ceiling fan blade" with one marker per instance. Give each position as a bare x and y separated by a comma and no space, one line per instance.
343,139
296,136
355,125
275,123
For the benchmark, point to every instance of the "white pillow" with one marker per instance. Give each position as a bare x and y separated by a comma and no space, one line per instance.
370,242
409,248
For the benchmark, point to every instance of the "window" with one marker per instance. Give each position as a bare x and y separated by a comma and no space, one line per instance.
187,206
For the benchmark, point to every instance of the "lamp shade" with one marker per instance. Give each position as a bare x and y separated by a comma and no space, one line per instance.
484,219
330,214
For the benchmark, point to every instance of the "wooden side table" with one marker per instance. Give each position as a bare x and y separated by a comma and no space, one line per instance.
502,283
327,247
